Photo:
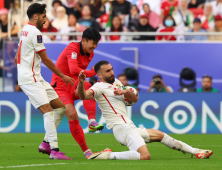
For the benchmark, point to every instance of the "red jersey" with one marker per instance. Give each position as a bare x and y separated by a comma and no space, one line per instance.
71,61
165,6
166,37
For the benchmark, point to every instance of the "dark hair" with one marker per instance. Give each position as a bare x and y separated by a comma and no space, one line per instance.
157,76
91,34
174,23
121,75
120,29
35,8
56,1
136,8
207,76
146,4
99,64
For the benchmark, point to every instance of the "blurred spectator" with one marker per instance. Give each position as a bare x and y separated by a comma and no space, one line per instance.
196,4
154,19
132,19
169,26
97,8
196,28
144,26
93,80
73,6
52,14
183,17
167,7
207,85
217,7
47,27
72,27
123,79
87,20
157,85
121,8
207,19
61,19
217,28
116,26
4,24
153,4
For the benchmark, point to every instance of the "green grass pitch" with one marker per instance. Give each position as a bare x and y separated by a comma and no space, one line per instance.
19,151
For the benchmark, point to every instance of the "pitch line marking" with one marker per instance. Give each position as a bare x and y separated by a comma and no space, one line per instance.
21,166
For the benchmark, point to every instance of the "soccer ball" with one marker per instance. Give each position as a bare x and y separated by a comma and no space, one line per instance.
126,101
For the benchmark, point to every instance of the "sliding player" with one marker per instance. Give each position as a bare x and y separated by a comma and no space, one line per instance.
74,58
110,95
31,51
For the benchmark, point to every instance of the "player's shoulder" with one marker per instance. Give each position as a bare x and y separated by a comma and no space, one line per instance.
74,46
117,81
97,84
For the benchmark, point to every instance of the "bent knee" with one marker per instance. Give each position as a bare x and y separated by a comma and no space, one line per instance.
72,116
145,157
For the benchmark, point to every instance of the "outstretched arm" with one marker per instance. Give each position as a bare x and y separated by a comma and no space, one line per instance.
83,95
127,94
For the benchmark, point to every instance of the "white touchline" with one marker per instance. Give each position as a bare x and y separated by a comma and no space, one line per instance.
20,166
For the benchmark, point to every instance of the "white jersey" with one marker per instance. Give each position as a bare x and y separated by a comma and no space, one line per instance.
28,61
112,107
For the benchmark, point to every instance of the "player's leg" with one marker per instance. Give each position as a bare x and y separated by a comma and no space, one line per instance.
152,135
76,130
90,107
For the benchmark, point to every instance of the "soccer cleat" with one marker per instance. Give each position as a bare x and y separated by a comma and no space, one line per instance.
105,154
94,126
58,155
202,154
44,148
88,154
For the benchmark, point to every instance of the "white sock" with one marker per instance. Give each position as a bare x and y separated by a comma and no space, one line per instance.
91,120
49,124
177,145
128,155
58,115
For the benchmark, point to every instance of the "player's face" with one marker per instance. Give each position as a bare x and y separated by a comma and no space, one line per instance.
206,83
41,20
89,45
107,73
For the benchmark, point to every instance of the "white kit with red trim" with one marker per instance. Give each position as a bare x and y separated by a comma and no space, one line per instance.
28,61
113,107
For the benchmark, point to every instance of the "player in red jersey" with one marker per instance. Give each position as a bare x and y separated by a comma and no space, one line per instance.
75,58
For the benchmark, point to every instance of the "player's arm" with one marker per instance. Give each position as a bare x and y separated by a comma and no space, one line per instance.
83,95
46,60
16,56
127,94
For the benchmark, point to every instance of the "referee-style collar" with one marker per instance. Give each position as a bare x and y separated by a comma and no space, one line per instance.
81,50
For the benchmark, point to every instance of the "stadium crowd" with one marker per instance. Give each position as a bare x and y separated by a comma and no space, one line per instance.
163,16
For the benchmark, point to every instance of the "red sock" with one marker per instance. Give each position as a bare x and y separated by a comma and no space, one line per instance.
78,134
89,105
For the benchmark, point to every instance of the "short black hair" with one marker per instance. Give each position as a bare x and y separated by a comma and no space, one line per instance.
56,1
174,23
157,76
146,4
91,34
121,75
36,8
207,76
99,64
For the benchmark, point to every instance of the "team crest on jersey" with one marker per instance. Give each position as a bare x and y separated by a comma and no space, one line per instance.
39,38
74,55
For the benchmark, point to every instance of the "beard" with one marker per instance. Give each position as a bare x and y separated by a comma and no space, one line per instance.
40,24
109,80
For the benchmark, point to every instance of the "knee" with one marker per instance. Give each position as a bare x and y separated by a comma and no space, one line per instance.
72,115
145,156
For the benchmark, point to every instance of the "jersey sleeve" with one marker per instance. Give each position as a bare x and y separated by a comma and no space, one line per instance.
37,40
97,90
72,53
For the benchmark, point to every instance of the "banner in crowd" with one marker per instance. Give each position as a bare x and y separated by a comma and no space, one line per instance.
171,113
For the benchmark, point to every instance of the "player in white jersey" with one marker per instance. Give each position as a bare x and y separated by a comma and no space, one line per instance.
110,96
31,51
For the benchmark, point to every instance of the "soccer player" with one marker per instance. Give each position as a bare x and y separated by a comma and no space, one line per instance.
76,57
31,51
110,95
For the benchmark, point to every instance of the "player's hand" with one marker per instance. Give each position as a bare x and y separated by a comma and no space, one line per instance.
82,76
68,79
119,92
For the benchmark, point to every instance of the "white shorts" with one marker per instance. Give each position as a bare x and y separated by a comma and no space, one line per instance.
129,135
39,93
